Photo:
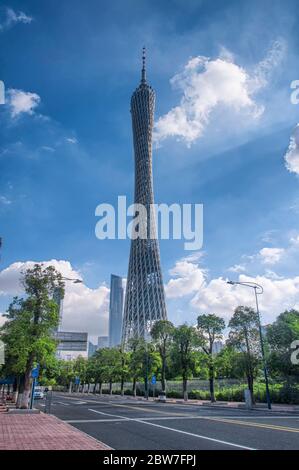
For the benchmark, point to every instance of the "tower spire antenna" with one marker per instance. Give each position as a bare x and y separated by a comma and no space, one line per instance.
143,72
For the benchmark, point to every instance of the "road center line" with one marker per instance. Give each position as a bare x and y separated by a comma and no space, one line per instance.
257,425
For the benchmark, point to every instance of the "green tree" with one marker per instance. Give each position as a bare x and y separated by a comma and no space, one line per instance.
226,363
28,331
210,329
80,369
185,340
111,360
66,372
98,364
144,361
162,333
135,346
280,336
124,370
244,336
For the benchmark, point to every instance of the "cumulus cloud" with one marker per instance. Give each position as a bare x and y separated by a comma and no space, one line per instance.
207,83
22,102
292,155
206,295
237,268
84,309
188,277
10,17
219,297
271,255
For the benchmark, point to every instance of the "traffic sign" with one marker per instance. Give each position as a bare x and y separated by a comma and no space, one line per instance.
154,380
35,372
77,381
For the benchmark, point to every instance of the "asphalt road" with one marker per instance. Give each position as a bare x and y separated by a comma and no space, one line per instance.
127,424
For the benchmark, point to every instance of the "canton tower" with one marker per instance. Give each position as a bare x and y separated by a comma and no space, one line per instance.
145,299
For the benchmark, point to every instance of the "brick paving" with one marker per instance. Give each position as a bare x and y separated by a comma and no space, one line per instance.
42,432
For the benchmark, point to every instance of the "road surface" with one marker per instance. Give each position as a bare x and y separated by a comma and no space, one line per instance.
129,424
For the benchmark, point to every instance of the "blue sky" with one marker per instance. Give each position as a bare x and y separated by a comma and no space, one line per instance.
66,143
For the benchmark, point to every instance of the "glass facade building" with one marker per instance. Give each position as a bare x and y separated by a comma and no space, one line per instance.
115,310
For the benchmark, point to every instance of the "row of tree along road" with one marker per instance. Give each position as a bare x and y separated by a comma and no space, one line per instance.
175,353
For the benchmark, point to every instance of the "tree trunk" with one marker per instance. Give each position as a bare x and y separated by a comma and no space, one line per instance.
20,391
146,391
100,388
250,386
250,370
15,390
134,387
185,389
211,381
122,386
163,383
110,387
95,388
27,386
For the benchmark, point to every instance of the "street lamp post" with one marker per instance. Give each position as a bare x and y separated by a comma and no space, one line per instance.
75,281
146,372
258,290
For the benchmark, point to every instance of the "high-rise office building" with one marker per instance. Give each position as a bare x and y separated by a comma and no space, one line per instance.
91,348
71,344
115,310
145,298
103,342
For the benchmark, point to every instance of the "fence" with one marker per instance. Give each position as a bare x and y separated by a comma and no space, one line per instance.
171,386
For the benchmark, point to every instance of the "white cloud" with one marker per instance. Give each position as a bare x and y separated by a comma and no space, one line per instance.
271,255
221,298
71,140
208,83
237,268
188,278
292,155
22,102
11,18
84,309
216,296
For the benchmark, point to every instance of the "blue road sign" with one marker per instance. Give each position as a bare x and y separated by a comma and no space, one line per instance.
35,372
154,380
77,381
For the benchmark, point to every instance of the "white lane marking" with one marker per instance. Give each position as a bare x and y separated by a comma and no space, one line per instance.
219,441
136,420
110,414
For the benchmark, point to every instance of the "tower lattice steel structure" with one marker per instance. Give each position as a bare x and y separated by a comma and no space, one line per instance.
145,298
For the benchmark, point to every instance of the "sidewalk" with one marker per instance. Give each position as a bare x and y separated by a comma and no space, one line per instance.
42,432
235,404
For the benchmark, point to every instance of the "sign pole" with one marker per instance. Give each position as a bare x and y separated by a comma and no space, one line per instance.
32,393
